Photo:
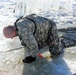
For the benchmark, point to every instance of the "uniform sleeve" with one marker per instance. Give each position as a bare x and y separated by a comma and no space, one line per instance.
29,39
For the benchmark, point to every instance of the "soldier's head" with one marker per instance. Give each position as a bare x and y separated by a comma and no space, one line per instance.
9,32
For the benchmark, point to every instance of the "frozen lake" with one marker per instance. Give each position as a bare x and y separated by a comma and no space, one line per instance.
10,62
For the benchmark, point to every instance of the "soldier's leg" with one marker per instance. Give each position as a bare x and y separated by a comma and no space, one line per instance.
53,40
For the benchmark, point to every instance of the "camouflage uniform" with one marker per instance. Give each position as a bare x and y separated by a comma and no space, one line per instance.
35,31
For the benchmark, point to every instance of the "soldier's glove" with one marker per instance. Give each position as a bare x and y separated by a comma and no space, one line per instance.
29,59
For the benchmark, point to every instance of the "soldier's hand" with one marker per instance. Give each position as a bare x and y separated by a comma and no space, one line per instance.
29,59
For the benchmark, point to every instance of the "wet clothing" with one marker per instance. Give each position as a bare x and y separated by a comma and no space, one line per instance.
36,31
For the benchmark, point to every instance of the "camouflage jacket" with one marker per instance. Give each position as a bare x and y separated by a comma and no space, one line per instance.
33,31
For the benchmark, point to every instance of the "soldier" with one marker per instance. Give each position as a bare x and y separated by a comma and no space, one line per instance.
34,32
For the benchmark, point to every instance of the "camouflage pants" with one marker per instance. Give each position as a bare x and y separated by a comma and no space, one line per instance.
53,40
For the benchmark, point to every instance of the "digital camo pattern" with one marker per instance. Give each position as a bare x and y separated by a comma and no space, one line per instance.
45,33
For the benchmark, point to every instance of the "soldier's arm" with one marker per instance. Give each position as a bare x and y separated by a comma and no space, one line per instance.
29,39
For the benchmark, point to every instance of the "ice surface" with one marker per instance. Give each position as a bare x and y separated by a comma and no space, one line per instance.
11,62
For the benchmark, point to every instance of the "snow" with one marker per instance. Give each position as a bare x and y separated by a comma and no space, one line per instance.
12,60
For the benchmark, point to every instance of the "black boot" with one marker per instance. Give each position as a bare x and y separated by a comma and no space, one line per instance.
29,59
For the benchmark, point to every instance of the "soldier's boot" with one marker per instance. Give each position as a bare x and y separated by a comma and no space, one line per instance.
29,59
